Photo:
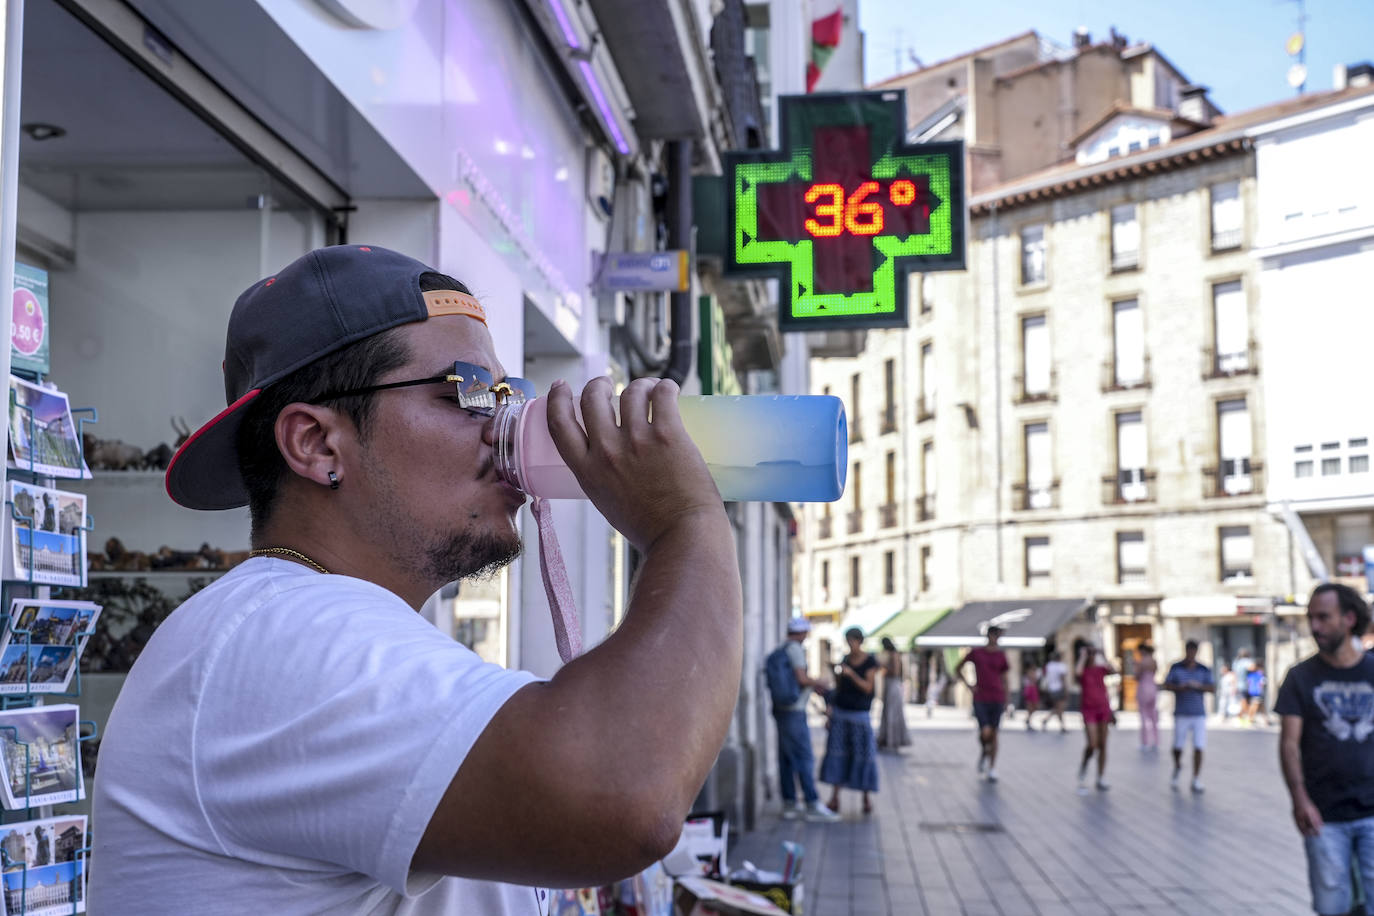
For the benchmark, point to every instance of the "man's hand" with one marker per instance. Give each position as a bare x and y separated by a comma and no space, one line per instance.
644,477
1307,817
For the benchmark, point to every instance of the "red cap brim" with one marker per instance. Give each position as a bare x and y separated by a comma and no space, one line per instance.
204,473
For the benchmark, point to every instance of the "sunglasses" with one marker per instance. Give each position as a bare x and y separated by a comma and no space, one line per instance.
478,392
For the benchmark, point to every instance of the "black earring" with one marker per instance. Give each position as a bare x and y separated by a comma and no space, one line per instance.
333,481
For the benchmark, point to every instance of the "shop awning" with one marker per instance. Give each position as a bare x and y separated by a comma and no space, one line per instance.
1025,624
870,617
907,624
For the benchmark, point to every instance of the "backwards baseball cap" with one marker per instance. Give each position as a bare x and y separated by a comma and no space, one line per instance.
798,625
319,303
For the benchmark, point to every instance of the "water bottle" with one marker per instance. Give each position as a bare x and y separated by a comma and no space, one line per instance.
766,448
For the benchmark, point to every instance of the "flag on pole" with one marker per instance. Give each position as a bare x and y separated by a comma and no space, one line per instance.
825,37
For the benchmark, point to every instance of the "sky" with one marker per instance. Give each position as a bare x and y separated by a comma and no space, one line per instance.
1234,47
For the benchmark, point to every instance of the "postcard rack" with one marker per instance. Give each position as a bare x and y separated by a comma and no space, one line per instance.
20,882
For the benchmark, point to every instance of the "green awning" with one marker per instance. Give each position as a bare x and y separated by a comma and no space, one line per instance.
902,627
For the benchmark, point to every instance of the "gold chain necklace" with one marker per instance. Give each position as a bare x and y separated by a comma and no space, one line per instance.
290,555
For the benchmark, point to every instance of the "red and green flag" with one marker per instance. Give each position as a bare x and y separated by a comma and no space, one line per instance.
825,37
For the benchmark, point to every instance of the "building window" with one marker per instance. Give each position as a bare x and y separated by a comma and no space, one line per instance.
853,577
1331,466
1130,557
925,509
927,296
1128,344
1039,486
1226,216
889,573
1359,464
1131,455
1234,447
1302,468
1232,325
1036,376
1033,254
1237,554
888,510
926,408
825,580
889,406
1125,238
926,569
1037,561
856,509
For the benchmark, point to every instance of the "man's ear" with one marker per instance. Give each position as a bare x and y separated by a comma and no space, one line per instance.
310,438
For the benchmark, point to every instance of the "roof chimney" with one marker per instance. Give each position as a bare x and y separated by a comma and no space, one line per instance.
1194,106
1081,38
1361,74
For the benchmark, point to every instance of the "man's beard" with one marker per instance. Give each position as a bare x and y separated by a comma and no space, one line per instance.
1331,643
466,556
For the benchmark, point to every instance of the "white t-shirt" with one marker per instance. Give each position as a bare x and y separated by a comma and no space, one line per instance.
280,747
1054,676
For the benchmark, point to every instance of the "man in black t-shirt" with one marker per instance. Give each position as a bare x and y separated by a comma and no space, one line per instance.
1326,748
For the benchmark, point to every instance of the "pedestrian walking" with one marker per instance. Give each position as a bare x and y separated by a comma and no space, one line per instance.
1190,681
1056,683
1091,669
892,730
1146,697
1256,685
851,754
1030,693
790,688
935,689
989,696
1326,720
1227,702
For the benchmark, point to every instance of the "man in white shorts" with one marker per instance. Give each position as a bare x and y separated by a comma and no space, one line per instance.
1190,681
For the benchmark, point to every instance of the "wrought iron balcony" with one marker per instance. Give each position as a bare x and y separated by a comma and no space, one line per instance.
1113,380
856,521
824,526
1027,496
925,409
889,419
1233,477
887,515
856,429
1228,365
1129,486
1226,239
1125,260
925,507
1024,395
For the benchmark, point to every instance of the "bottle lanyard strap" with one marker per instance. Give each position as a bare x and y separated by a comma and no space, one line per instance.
567,629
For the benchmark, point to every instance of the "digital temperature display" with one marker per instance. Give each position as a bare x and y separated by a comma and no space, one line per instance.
846,210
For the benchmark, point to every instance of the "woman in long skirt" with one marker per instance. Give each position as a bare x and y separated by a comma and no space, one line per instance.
851,754
892,733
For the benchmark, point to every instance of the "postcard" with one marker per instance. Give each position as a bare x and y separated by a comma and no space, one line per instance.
44,866
48,622
49,546
40,762
43,436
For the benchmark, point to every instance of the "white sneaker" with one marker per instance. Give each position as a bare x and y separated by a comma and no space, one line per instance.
819,813
1198,786
1173,780
992,774
793,811
1103,785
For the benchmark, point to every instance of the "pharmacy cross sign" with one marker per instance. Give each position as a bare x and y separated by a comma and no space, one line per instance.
845,210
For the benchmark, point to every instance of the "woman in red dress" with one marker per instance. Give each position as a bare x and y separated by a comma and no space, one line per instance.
1091,668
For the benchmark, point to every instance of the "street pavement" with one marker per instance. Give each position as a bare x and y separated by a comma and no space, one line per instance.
942,842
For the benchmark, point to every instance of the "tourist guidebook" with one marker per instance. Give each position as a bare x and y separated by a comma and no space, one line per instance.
44,866
41,760
43,437
43,643
49,544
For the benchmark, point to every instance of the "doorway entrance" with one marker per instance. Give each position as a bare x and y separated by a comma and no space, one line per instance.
1129,637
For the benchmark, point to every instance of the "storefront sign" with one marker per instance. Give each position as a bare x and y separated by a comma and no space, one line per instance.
845,210
643,271
29,320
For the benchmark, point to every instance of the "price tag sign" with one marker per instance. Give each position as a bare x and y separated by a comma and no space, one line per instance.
845,210
29,320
